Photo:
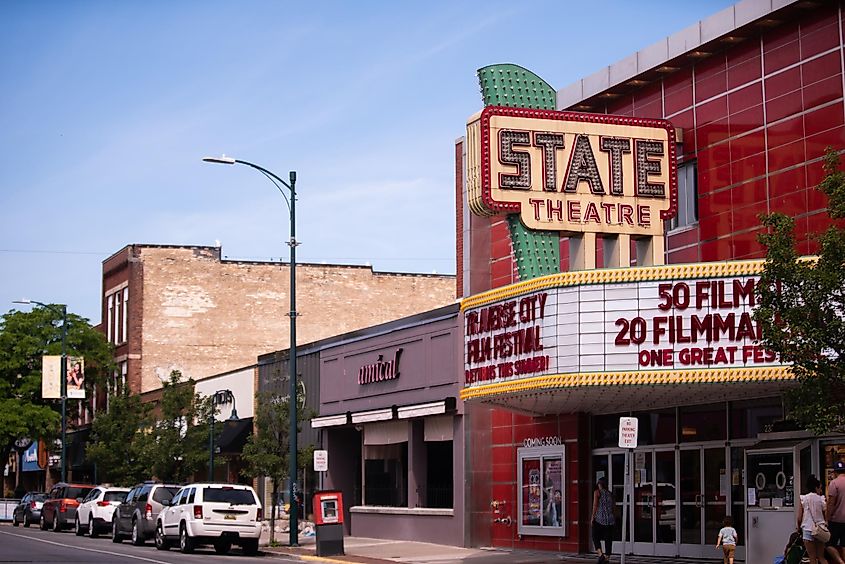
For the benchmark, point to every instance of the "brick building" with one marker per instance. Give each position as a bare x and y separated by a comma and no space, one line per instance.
168,307
754,94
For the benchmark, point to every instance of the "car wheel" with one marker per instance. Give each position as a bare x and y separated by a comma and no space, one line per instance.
160,541
27,520
92,529
222,546
77,527
43,523
250,546
115,534
186,543
57,527
14,519
137,537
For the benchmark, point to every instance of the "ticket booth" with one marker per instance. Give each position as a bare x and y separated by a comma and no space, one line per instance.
328,518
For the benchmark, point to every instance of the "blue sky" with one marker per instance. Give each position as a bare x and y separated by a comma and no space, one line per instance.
106,109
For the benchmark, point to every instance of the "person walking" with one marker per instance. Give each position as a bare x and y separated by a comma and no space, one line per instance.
727,540
811,511
603,520
835,511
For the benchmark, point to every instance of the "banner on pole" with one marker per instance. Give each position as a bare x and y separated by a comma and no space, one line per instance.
50,374
75,377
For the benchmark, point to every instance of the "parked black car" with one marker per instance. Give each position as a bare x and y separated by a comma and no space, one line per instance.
28,511
136,516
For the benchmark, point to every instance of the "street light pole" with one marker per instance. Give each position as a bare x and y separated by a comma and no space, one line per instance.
62,376
292,243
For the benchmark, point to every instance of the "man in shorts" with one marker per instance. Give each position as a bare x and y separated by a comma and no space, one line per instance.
835,510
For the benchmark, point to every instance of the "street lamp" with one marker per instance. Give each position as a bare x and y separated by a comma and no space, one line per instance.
220,397
292,243
62,310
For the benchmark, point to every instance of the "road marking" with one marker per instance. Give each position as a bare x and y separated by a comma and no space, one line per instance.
120,554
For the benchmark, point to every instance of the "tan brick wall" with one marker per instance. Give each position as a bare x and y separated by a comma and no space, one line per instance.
204,316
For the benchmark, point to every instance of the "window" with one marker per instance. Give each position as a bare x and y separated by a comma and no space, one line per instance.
231,496
541,504
438,483
109,318
114,496
143,494
117,316
124,315
191,495
687,196
385,475
164,494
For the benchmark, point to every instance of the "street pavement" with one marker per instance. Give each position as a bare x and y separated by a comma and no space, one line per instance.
34,545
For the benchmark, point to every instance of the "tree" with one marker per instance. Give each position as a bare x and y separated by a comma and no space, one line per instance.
267,448
24,338
119,439
802,309
177,443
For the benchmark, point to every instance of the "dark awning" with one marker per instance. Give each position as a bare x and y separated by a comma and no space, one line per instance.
233,436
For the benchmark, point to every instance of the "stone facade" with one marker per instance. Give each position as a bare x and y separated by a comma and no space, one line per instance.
192,311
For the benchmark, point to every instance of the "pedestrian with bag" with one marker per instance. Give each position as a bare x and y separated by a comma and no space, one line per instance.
811,521
603,520
835,512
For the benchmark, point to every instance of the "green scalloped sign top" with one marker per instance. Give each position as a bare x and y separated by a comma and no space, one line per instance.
536,253
515,87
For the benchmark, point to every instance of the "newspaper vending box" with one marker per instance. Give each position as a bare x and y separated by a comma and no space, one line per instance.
328,517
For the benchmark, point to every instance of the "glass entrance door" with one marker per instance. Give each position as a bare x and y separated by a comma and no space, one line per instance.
654,499
703,488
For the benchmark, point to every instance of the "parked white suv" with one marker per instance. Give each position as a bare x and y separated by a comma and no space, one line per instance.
218,514
96,510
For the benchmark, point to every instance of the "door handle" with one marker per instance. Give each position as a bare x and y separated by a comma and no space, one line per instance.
698,499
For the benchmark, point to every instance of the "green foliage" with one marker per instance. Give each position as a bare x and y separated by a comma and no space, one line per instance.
24,338
177,444
802,309
266,452
168,440
119,438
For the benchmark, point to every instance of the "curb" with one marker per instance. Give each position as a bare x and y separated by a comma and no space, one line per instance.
344,559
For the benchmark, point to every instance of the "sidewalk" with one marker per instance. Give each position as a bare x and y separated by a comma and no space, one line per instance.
380,551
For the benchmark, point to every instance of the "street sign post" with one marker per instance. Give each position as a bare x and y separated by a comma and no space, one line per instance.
321,460
628,433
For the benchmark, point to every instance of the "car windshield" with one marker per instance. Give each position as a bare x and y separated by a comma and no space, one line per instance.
229,495
74,492
115,496
164,494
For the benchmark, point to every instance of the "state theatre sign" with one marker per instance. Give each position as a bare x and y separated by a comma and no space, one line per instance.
573,172
666,324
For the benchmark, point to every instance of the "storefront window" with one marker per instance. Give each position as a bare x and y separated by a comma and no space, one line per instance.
542,502
704,423
385,475
770,480
656,427
606,430
438,487
749,418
